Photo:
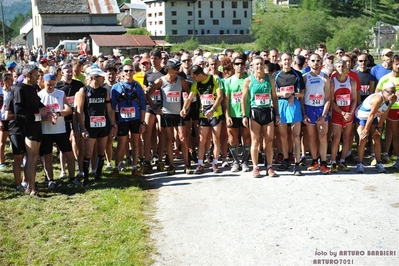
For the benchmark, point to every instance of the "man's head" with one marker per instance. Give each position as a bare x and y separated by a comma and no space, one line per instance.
321,50
395,64
155,57
286,60
197,72
386,55
49,82
213,63
341,66
173,66
273,55
145,64
339,52
186,60
239,64
30,73
362,61
299,62
97,75
314,61
128,72
66,73
111,70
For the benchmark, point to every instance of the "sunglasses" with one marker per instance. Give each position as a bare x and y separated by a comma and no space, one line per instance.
361,61
315,60
390,92
128,70
176,68
145,63
186,60
239,63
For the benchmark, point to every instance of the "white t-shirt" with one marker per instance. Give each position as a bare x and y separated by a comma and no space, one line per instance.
55,102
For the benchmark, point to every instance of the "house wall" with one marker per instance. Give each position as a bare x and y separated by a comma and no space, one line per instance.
82,19
199,18
210,39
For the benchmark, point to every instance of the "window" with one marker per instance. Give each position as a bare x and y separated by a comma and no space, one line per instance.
149,15
189,13
160,4
199,4
149,6
211,13
174,32
215,22
222,4
172,3
156,22
228,32
188,4
190,32
160,22
208,31
233,4
222,14
160,14
189,22
241,31
174,22
173,13
245,14
236,21
201,22
211,4
221,32
234,14
199,13
150,22
235,31
245,4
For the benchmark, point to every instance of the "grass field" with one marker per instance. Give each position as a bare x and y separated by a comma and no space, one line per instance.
103,224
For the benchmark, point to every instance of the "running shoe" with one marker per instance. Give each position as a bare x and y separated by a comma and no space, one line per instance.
136,172
350,159
52,184
171,170
122,167
235,167
385,159
225,163
334,168
297,171
62,175
188,170
284,165
245,167
147,167
314,166
255,173
302,162
360,168
373,161
380,168
108,167
270,172
279,158
199,170
215,169
74,181
161,166
342,166
324,169
292,158
129,161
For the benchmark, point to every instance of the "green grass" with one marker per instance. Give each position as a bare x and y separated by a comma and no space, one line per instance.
105,224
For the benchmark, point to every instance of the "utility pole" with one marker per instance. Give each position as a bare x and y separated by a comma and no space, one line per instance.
378,37
2,17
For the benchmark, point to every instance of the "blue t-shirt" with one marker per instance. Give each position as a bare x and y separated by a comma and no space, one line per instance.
128,100
378,71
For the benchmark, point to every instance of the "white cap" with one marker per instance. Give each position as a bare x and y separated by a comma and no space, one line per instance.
388,84
97,72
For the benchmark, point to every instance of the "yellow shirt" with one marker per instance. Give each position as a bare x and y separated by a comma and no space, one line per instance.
207,92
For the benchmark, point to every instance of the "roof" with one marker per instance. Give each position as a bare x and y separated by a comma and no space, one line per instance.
162,43
122,40
83,29
77,7
132,6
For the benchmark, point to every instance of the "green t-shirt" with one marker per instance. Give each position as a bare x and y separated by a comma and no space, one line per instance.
233,87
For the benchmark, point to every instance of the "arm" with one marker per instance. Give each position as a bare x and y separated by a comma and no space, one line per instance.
152,89
275,101
327,100
79,106
186,105
245,87
354,97
111,113
375,103
306,119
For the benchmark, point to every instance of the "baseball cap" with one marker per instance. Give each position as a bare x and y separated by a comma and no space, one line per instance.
386,52
11,64
327,55
173,63
144,60
97,72
340,49
43,60
49,76
127,61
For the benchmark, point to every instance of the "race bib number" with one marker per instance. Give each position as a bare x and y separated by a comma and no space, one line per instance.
287,89
156,96
364,90
128,112
236,97
316,99
207,99
97,121
343,100
38,117
262,99
70,100
173,97
54,107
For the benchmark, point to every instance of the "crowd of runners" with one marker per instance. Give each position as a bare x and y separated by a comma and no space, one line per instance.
230,111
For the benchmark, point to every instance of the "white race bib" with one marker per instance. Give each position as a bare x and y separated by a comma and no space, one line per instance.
287,89
316,100
38,117
128,112
207,99
156,96
70,100
236,97
343,100
262,99
97,121
173,97
364,90
54,107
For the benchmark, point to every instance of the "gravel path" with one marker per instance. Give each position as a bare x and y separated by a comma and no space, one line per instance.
234,219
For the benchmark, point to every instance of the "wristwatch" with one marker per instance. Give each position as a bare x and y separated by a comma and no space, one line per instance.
59,113
143,123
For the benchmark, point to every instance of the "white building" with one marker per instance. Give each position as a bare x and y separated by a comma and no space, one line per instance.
198,17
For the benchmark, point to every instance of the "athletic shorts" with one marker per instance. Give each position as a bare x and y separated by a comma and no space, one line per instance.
314,112
211,122
262,116
289,114
149,110
193,113
337,119
363,122
68,127
133,126
5,125
97,133
237,123
32,131
17,144
393,115
62,141
168,120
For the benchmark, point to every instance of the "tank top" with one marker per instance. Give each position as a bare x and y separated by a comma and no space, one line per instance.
342,95
6,102
55,102
95,108
314,93
363,111
260,92
171,95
